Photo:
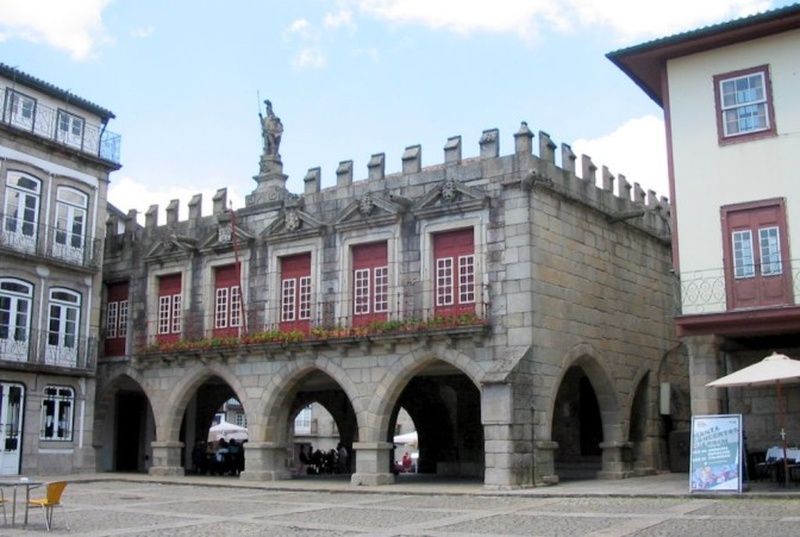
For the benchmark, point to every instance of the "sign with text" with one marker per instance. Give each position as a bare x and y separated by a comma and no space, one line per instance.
716,461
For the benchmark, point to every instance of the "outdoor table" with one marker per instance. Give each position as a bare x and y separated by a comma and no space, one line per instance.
20,482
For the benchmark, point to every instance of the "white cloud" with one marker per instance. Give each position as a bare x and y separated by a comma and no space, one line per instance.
637,149
75,26
337,20
371,53
631,19
627,18
300,27
129,193
309,58
142,32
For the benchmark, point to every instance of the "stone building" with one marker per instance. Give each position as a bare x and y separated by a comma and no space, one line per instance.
731,99
55,159
519,313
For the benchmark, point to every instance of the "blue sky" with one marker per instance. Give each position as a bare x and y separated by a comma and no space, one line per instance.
348,78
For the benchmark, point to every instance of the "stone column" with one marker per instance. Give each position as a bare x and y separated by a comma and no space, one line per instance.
373,463
544,460
617,460
704,366
265,461
167,458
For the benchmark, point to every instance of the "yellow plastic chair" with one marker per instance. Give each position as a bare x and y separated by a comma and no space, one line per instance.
51,500
3,503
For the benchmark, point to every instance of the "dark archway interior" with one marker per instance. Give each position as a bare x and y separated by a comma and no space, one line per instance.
577,426
127,430
445,406
198,418
639,414
318,387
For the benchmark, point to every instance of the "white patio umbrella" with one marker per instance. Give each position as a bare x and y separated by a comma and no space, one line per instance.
228,431
774,369
409,439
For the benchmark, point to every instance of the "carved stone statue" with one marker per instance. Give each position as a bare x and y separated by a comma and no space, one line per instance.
271,131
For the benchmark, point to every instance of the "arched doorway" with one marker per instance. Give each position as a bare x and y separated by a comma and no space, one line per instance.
445,407
639,434
577,427
213,402
321,427
125,427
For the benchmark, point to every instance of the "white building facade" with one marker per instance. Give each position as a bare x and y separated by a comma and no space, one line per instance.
55,160
731,99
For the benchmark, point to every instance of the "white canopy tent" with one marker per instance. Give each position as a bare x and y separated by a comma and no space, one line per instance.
228,431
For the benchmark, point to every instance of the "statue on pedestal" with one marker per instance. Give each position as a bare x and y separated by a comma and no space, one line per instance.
271,131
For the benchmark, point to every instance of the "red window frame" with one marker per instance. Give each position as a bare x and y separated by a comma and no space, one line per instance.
295,293
771,130
169,316
116,319
454,290
755,277
227,317
370,287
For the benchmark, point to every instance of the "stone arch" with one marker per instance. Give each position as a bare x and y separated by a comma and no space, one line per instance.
589,360
174,405
106,436
400,374
643,373
273,410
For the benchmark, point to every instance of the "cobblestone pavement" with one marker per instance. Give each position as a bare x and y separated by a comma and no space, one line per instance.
146,509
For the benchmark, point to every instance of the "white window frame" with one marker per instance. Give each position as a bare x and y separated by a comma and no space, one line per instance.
21,224
63,406
466,279
71,223
761,103
304,298
70,128
68,329
15,331
361,291
20,109
288,299
112,319
742,249
771,263
445,294
221,307
381,286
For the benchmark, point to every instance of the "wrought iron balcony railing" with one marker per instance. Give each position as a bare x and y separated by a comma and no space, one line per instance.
704,291
49,242
66,129
42,347
203,332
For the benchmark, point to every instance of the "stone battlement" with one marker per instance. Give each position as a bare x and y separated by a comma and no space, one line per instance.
577,178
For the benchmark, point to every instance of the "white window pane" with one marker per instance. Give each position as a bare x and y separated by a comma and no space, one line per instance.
164,310
221,308
444,281
305,298
288,290
381,289
176,314
466,279
743,254
361,291
769,240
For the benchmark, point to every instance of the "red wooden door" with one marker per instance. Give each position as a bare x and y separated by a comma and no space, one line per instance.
757,262
295,293
227,301
454,272
170,308
116,319
370,283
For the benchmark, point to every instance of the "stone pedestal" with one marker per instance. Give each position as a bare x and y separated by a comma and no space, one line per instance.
167,458
544,464
373,463
617,460
265,461
271,181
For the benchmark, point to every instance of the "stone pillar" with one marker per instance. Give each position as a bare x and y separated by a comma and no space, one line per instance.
568,158
265,461
490,143
196,207
344,174
312,181
523,140
167,458
373,463
151,217
172,212
617,460
452,150
704,366
544,462
376,167
220,201
547,149
412,159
